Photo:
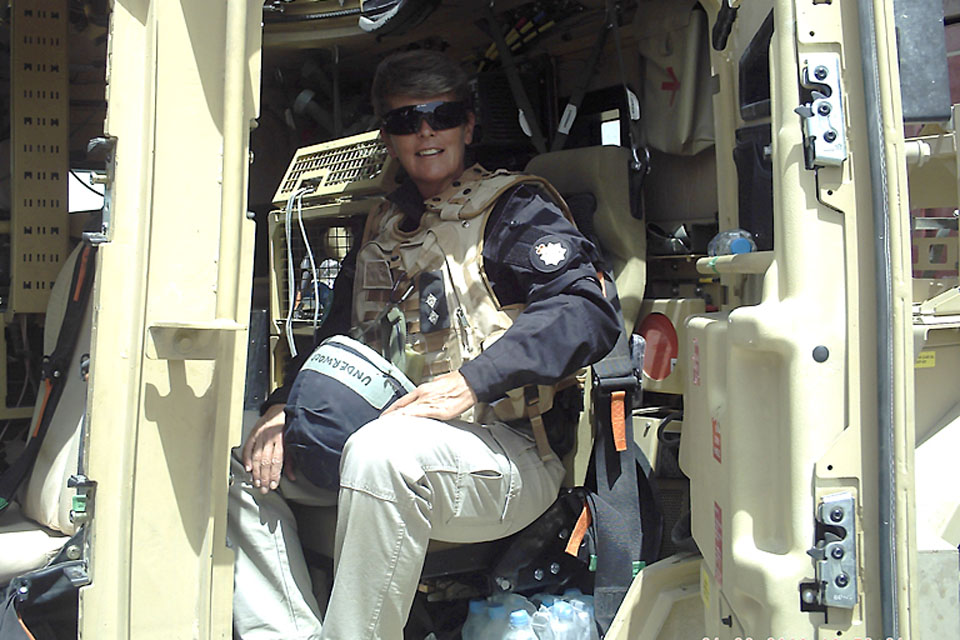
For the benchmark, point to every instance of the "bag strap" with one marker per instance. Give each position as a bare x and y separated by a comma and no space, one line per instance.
53,372
31,595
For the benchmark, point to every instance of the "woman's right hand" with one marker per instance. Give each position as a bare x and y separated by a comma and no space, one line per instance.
263,454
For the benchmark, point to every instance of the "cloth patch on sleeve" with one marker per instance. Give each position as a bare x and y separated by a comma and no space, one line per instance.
550,253
434,314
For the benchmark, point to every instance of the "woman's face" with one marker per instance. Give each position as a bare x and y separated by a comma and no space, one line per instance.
432,158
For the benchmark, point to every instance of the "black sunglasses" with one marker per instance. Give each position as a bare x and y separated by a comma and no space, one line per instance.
439,115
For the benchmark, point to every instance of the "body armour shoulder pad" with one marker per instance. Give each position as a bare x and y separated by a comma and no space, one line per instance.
478,190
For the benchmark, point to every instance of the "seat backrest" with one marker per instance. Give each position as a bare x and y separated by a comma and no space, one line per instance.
604,172
44,496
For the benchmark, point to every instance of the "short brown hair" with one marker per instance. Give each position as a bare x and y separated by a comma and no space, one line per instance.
419,74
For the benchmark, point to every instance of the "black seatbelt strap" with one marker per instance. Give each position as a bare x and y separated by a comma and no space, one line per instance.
527,115
616,511
640,161
54,372
589,73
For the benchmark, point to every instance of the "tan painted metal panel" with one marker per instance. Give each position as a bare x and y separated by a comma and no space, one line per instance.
769,430
173,282
39,108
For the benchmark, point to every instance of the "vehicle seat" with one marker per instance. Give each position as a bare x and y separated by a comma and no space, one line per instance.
37,524
24,544
604,173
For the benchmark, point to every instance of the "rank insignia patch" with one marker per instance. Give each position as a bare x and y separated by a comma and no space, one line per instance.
433,303
549,254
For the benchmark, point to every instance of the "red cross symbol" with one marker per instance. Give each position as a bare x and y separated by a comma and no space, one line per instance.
673,86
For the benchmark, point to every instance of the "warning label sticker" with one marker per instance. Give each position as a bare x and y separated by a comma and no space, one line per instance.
716,440
926,360
704,587
695,363
718,543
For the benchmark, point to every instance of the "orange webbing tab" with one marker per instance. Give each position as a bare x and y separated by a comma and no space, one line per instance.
603,283
24,626
85,254
618,419
47,390
579,530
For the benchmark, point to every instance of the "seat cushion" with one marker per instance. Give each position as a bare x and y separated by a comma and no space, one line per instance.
44,495
604,173
27,545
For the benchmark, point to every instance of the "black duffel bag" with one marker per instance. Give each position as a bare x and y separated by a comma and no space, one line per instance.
342,386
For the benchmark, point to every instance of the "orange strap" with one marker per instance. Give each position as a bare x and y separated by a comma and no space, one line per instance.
25,630
579,530
618,419
48,387
603,283
82,273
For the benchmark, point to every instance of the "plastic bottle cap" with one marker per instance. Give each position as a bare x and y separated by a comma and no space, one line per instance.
740,245
563,611
519,618
478,606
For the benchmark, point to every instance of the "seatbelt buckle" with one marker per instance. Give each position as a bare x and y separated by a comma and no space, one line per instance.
605,385
624,371
618,378
638,349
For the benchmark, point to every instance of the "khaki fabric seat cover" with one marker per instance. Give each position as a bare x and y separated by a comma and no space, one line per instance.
45,497
603,171
24,545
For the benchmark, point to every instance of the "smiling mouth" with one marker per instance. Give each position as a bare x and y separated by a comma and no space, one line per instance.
427,153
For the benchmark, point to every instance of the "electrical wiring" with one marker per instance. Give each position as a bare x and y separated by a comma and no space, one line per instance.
85,185
313,265
291,287
295,197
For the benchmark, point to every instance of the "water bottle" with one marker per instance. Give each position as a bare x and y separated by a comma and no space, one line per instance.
513,602
544,599
564,621
476,619
575,595
542,623
496,624
520,628
586,626
731,241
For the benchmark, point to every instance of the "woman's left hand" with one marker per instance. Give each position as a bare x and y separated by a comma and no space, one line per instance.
443,398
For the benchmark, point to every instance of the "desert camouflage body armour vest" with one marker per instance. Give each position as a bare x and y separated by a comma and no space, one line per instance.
422,298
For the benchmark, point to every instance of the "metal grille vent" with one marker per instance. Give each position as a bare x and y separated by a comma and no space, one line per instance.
354,166
329,243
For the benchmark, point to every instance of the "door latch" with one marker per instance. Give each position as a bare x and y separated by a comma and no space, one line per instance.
824,131
835,555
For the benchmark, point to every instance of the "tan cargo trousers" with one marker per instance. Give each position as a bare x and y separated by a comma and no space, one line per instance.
404,481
